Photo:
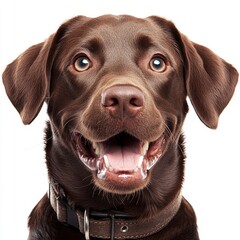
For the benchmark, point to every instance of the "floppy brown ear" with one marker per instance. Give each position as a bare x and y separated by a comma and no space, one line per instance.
26,80
210,81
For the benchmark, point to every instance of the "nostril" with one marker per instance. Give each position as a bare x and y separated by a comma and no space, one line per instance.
114,102
108,101
122,101
137,101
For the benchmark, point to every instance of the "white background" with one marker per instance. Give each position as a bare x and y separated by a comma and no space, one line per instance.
212,182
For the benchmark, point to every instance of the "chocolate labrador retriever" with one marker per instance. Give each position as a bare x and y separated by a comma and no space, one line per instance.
116,89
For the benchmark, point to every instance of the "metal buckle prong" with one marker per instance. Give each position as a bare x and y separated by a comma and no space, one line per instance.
112,216
86,224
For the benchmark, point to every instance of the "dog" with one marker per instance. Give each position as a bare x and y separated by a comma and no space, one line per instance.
116,89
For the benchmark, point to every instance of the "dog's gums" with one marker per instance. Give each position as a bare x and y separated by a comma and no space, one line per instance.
120,157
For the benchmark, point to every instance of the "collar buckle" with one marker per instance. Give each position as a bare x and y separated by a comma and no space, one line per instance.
112,215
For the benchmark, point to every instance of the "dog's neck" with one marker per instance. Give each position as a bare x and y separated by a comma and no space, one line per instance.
109,224
74,193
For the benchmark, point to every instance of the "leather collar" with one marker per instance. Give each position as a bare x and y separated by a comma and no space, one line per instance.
112,224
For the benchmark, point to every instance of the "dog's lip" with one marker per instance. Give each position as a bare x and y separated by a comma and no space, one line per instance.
133,159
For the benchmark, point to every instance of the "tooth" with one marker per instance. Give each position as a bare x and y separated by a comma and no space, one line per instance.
94,145
140,161
152,162
106,161
143,173
98,163
145,148
102,174
96,148
90,163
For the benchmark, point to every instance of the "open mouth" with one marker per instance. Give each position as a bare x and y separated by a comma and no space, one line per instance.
122,156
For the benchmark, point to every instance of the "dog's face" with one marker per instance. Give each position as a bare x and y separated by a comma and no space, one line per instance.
116,91
125,97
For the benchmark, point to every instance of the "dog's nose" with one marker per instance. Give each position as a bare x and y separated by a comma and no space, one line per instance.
123,101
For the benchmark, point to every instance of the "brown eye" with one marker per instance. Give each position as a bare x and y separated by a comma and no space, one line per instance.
158,64
82,64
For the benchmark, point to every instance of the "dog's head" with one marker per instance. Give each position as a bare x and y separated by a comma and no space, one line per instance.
116,89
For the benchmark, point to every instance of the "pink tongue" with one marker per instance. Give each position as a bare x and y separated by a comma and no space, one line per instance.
123,154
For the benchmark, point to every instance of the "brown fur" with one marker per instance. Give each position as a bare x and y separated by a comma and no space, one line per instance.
120,48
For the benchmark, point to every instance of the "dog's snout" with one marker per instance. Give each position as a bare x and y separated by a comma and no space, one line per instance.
123,101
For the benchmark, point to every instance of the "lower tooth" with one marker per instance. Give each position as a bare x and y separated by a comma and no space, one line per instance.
151,163
143,173
102,173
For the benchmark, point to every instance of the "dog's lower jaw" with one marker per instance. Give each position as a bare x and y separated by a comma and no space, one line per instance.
129,184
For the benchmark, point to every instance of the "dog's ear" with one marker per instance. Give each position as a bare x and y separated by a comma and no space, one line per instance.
27,78
210,81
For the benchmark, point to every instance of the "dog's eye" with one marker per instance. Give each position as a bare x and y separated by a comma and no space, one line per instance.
82,64
158,64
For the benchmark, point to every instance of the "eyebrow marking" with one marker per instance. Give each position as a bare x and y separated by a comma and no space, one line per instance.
94,45
144,42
